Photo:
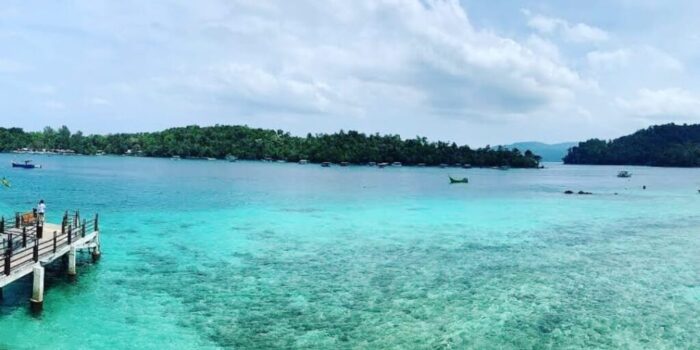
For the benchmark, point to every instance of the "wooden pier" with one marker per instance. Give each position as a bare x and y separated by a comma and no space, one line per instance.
28,244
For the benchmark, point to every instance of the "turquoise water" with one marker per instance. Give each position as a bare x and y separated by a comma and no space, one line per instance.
215,255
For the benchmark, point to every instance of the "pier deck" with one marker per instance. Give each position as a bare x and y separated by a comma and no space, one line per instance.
28,246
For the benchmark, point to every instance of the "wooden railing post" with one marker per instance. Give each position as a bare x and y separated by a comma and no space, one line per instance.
82,227
2,224
54,241
76,220
36,251
8,261
17,220
96,221
24,237
8,256
39,230
70,233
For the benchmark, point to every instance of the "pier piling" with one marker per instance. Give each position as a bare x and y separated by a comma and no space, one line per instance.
37,300
71,261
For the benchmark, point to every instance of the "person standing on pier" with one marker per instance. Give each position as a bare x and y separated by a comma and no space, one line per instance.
41,209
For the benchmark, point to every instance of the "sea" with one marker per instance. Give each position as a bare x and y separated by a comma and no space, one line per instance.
261,255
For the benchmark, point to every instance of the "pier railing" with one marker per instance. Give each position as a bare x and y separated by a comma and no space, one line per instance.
24,244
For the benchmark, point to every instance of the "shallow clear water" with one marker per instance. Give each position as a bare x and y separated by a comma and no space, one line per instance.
212,255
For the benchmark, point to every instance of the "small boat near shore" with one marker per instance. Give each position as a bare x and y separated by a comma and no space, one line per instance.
624,174
326,164
463,180
26,165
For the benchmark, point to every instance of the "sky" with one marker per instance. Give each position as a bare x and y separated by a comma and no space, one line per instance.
472,71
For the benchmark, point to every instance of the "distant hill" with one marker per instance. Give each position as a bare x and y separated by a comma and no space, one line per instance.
660,145
548,152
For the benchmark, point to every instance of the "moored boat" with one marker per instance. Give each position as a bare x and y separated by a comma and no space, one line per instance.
396,164
326,164
381,165
26,165
303,161
624,174
463,180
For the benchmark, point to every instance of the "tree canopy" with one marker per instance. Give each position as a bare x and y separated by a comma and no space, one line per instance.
659,145
249,143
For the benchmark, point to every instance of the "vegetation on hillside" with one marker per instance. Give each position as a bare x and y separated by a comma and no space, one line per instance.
660,145
252,143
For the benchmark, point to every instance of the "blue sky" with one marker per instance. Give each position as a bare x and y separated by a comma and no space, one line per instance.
476,72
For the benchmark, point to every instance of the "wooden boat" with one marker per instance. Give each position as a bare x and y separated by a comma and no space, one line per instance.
326,164
26,165
463,180
624,174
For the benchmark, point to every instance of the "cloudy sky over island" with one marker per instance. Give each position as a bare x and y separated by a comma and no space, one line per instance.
476,72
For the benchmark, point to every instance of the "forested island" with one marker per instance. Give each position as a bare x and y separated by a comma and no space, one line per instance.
249,143
660,145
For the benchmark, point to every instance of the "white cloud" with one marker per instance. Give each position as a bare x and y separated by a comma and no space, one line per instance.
362,55
649,57
608,59
578,32
671,104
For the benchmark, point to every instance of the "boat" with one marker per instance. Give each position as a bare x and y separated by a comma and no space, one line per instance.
175,157
443,165
26,165
326,164
231,158
210,158
463,180
396,164
421,164
344,163
504,167
303,161
466,166
381,165
624,174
